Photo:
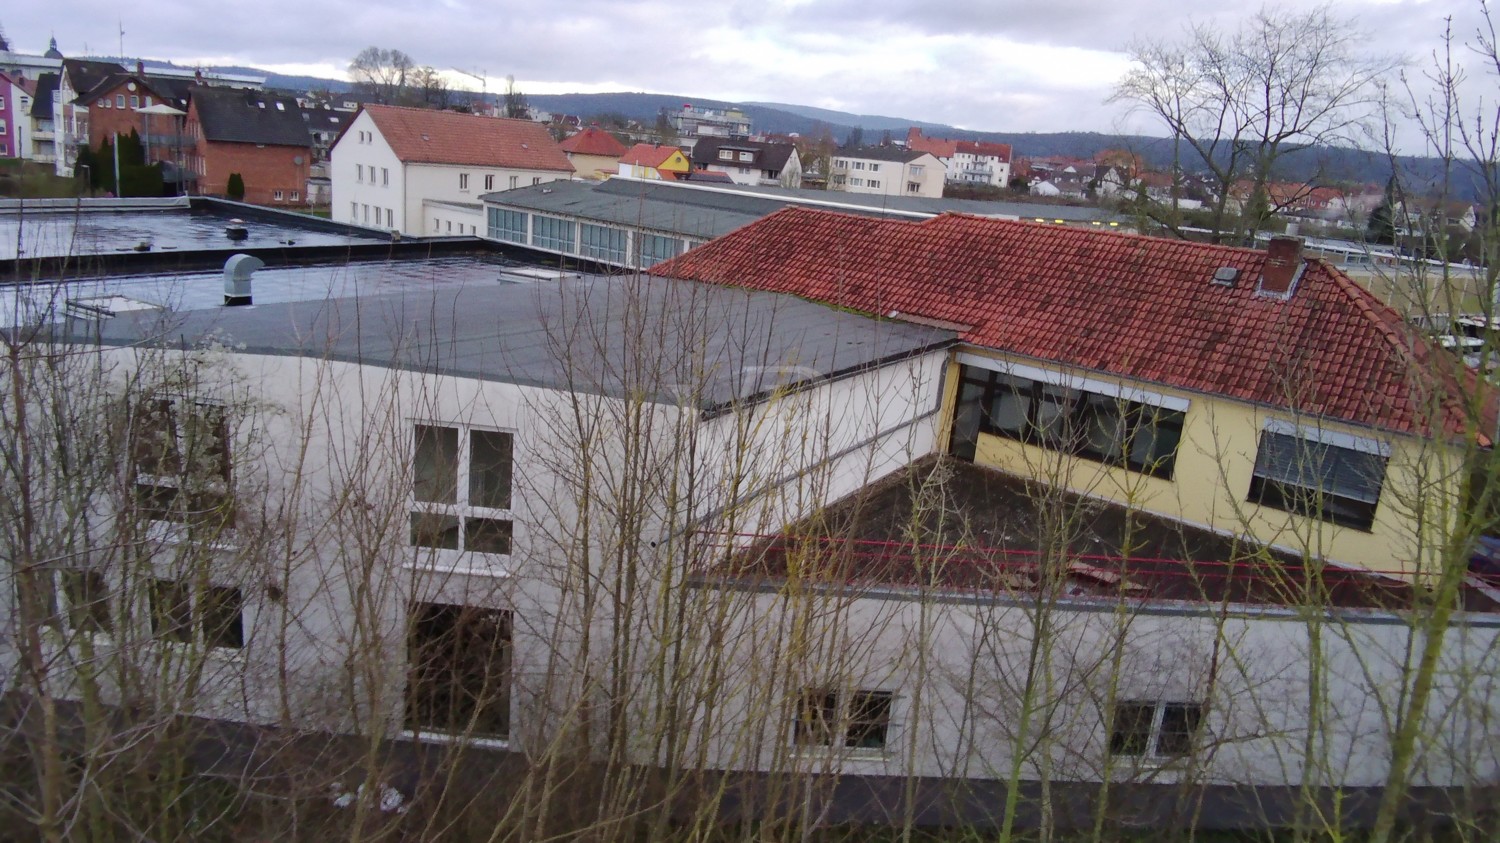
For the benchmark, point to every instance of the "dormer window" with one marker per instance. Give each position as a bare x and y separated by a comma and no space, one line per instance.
726,155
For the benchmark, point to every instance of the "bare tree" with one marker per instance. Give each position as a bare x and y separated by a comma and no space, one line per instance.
515,101
1237,102
383,73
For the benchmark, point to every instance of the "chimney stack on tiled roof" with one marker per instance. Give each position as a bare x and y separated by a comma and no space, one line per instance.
140,68
1283,266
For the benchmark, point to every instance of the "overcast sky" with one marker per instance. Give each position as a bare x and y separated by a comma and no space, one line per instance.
1004,65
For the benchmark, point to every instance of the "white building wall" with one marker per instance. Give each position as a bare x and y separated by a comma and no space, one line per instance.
446,182
362,193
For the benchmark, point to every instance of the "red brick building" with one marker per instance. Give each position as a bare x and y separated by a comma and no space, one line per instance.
258,135
115,105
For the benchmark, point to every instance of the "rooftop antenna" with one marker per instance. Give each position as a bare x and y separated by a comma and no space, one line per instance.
121,23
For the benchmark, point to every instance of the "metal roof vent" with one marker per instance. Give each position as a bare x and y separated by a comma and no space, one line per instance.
238,271
1225,276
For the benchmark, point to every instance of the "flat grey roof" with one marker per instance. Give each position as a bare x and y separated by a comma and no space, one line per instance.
709,211
705,345
60,231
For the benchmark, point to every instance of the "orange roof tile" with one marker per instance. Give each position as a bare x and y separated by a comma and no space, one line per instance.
593,141
1137,307
648,155
423,136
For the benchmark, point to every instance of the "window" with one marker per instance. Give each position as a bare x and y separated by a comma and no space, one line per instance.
135,102
507,225
552,233
856,182
450,226
119,100
1104,428
747,156
1340,485
277,196
874,182
913,187
359,173
354,212
463,181
536,179
726,155
514,181
390,218
296,196
916,171
212,616
603,242
654,249
76,600
366,209
461,483
853,720
489,182
1161,729
148,102
180,456
458,670
102,103
859,165
874,167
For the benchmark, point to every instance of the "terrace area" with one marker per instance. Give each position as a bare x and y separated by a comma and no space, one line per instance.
949,526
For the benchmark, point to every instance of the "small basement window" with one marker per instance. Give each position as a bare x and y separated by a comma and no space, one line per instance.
1161,729
853,719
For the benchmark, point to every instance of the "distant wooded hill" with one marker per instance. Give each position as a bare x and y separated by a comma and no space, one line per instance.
1324,165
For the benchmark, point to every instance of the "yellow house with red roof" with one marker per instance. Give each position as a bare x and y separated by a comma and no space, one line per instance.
654,161
1256,394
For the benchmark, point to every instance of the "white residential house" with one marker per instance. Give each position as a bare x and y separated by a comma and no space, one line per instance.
422,172
750,162
888,171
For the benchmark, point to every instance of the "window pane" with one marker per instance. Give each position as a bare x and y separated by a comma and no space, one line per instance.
869,716
88,600
487,535
206,439
157,503
1011,406
154,439
1132,728
171,611
489,469
1179,726
429,530
817,716
1157,435
458,676
1053,414
436,468
223,617
1104,427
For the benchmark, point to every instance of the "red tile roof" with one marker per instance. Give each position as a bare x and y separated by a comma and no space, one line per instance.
423,136
648,155
593,141
983,148
1137,307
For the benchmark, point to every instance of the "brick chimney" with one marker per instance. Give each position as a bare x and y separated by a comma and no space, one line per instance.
140,68
1283,266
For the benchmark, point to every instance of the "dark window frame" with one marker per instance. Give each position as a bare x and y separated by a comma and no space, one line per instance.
1317,499
858,719
1068,431
182,464
447,644
1156,728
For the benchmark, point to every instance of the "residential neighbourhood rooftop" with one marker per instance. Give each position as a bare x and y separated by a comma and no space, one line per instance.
593,141
423,136
648,154
1137,307
237,116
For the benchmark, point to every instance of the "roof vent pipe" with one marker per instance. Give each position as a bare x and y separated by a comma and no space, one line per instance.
238,271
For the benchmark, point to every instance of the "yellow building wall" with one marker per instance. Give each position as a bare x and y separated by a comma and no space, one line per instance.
595,166
1211,481
677,163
